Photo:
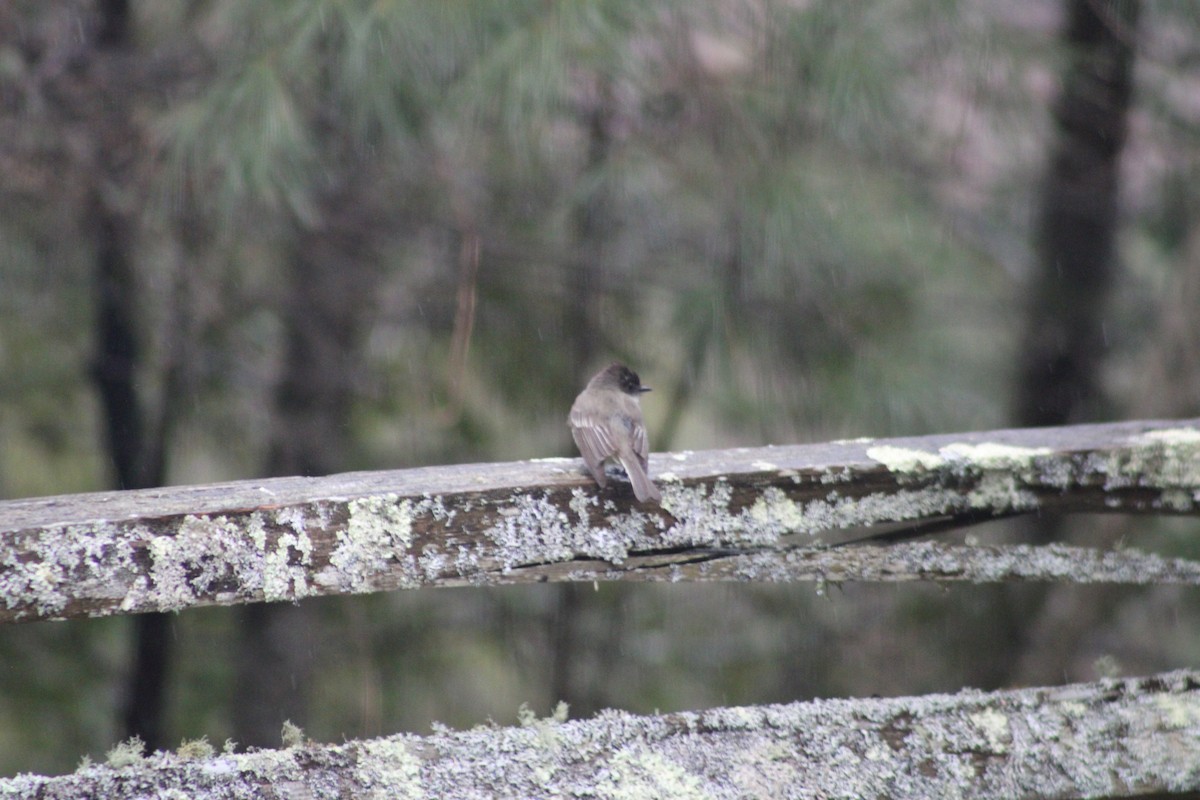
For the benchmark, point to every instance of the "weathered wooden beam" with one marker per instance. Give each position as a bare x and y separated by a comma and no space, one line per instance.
285,539
899,563
1113,738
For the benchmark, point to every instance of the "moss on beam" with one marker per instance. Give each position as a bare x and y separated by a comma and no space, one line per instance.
1082,740
288,539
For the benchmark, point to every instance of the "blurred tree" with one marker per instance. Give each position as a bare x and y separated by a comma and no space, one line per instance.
325,314
360,235
321,164
97,80
1064,344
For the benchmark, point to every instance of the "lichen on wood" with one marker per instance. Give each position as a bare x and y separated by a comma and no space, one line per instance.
743,514
1083,740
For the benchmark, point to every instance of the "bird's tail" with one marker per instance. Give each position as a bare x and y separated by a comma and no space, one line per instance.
643,487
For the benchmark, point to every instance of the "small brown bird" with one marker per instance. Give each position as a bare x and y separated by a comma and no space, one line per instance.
606,423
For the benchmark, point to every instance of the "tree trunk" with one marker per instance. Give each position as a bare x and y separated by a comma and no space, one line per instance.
137,457
1064,342
332,281
1064,338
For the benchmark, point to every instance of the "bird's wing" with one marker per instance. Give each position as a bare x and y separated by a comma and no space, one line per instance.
641,447
594,443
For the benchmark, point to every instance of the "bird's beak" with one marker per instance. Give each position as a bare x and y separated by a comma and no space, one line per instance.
643,388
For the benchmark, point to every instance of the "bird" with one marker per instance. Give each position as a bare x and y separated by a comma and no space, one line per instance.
606,424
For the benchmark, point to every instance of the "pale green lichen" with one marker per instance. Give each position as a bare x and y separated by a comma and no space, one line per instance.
167,585
1168,458
1001,491
203,553
384,518
640,774
835,475
1074,709
798,749
582,503
994,726
775,512
993,455
127,753
270,766
1179,710
706,520
1172,455
905,459
1001,474
703,514
292,735
1107,666
257,531
433,564
735,718
221,558
378,534
1061,472
1189,437
1177,500
192,749
387,768
283,580
532,530
879,752
41,573
846,512
546,729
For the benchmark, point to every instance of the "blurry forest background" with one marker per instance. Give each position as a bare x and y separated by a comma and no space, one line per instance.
245,239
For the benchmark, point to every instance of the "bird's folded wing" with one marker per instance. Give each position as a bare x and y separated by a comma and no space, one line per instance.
594,443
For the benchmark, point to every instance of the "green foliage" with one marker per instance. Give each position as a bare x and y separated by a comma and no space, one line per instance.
796,220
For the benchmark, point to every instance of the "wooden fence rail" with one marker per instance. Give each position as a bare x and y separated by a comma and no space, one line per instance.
761,514
1106,739
764,513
